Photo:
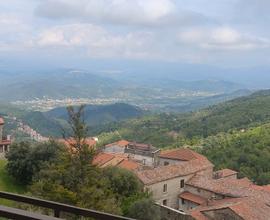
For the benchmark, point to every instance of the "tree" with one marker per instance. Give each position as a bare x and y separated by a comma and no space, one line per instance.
25,159
72,178
144,209
123,182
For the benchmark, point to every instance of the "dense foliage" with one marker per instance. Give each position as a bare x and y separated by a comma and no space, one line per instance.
26,159
170,130
67,175
246,151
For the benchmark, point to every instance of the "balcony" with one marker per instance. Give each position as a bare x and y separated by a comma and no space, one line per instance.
57,209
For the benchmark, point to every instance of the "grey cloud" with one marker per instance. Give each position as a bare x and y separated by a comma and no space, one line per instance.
135,12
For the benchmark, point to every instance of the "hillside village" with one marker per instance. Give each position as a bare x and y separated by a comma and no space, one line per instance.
183,183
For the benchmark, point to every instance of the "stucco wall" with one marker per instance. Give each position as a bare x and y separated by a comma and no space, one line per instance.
173,191
148,161
187,206
114,149
161,161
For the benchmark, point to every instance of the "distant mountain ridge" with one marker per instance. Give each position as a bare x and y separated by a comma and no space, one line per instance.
165,129
52,122
73,83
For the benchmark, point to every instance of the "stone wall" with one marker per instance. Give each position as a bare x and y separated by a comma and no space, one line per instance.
172,193
172,214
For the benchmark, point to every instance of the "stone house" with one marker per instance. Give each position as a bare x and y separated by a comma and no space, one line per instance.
185,182
146,153
5,142
167,182
116,147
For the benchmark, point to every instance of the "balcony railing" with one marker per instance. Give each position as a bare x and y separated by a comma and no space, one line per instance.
57,208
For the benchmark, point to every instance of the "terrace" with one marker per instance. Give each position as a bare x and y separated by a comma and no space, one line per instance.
56,208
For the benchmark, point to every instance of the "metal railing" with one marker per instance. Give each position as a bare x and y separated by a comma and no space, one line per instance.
57,208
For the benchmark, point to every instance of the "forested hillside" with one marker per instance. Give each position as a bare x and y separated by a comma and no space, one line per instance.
245,151
53,122
165,130
234,134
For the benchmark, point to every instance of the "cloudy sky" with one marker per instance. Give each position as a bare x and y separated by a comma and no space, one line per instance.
221,32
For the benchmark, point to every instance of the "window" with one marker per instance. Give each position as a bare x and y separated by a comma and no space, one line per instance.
166,163
144,161
182,183
164,202
183,202
165,188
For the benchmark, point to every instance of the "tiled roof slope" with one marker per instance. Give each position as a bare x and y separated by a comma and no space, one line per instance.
162,173
119,159
230,187
193,198
121,143
183,154
102,158
246,208
225,173
129,165
247,200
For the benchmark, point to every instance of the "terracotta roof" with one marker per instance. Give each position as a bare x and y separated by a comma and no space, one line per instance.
159,174
245,208
2,121
143,147
119,159
231,187
129,165
5,142
102,158
183,154
68,142
121,143
193,198
225,173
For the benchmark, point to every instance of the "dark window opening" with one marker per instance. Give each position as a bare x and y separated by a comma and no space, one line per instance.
182,183
164,202
183,202
165,188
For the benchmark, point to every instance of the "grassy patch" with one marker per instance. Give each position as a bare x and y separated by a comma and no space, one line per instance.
8,184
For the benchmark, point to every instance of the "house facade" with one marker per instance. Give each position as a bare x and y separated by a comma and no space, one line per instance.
5,142
185,181
145,153
166,183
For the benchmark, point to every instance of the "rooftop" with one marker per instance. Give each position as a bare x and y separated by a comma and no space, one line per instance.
121,143
5,142
245,208
183,154
225,173
69,142
2,121
193,198
142,147
244,198
160,174
121,160
102,158
129,165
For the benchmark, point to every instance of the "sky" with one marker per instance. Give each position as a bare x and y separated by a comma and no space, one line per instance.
226,33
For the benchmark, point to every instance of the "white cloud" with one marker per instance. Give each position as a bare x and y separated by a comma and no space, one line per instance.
97,41
222,38
121,12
